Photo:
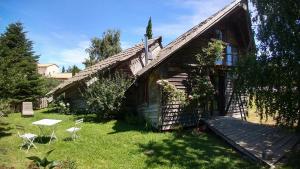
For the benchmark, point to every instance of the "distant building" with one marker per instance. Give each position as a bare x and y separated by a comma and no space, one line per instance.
48,70
52,70
62,76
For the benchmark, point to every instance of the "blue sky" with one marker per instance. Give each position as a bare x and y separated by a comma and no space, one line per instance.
61,29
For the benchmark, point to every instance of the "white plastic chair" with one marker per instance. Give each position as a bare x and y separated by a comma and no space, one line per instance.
28,138
73,130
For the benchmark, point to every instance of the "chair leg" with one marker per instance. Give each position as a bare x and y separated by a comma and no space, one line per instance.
52,136
33,143
23,144
74,136
28,147
30,143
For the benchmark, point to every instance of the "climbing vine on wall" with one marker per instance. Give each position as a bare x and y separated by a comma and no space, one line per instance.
172,93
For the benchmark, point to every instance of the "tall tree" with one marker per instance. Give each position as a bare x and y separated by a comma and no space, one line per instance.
272,78
93,51
73,69
19,79
149,29
102,48
111,44
63,70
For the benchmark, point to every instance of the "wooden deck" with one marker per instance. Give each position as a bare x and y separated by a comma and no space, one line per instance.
265,144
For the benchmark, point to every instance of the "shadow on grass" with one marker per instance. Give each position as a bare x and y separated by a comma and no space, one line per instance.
49,110
91,118
123,126
68,139
190,151
4,129
43,139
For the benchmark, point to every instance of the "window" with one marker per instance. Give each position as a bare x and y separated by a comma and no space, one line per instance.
219,34
231,55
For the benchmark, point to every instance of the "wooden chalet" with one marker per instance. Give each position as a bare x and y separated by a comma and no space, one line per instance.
173,63
232,26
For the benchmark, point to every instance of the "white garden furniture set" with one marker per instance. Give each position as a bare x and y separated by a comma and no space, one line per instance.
46,125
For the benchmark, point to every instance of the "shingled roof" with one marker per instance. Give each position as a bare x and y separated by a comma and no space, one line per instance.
106,63
191,34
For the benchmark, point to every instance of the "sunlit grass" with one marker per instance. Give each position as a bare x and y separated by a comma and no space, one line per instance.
254,117
116,144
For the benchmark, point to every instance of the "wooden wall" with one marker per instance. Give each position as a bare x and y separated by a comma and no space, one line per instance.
149,99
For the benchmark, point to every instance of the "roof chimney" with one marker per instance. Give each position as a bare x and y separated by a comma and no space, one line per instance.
146,50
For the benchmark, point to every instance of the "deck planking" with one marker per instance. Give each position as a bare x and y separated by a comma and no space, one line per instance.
254,139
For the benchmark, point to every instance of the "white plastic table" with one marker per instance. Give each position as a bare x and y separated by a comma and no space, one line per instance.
47,123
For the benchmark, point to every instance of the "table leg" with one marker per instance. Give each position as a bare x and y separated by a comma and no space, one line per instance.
53,135
42,132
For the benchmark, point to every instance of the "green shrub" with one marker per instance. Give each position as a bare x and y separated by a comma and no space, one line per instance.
43,162
60,105
5,106
105,96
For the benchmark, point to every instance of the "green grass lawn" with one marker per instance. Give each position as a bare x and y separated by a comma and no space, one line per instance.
116,144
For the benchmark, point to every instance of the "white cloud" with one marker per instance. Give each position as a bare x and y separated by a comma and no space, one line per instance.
76,55
55,47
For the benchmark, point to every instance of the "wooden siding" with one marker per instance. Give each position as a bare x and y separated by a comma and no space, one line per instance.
74,98
151,113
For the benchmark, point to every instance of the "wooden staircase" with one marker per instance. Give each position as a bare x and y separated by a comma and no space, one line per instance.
236,103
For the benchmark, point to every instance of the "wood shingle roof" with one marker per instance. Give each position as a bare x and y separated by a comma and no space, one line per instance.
104,64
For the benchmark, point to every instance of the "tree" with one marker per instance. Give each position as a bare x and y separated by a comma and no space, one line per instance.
103,48
149,29
49,84
19,79
272,75
94,52
74,69
110,44
201,80
63,69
